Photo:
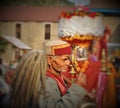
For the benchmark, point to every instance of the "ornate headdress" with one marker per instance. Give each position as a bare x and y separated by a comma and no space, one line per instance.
57,47
79,28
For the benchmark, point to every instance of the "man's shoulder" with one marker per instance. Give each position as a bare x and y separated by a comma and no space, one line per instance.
50,80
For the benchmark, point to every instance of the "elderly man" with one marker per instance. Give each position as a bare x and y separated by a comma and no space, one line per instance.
38,81
58,95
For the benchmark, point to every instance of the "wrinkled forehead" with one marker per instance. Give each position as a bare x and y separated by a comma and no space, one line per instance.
64,56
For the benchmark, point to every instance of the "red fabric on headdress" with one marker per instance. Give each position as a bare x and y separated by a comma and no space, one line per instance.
66,50
61,49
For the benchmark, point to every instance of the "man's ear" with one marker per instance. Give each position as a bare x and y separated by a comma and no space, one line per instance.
49,59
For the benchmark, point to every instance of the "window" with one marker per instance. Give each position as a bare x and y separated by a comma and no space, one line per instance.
47,31
18,31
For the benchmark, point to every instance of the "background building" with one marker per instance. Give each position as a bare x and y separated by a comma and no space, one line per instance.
33,25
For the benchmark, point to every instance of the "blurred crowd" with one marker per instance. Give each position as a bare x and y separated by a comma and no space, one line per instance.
6,74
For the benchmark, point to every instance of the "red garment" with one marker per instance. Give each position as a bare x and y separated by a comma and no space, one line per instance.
92,74
61,84
103,45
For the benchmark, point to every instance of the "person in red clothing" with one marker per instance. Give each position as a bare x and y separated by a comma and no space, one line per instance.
92,70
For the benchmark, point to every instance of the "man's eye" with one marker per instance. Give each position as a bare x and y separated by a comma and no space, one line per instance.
68,58
65,59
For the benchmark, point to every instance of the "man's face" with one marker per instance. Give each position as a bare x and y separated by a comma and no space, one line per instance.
60,63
